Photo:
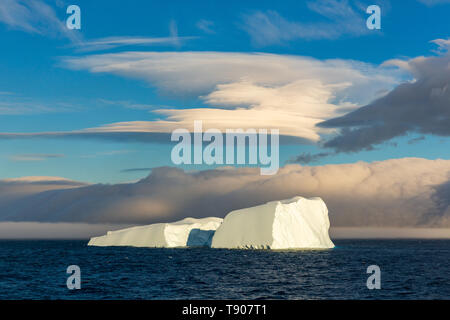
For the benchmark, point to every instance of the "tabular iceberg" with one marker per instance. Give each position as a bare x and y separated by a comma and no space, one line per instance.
296,223
188,232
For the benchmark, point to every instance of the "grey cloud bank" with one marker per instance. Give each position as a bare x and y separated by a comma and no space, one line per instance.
421,106
408,192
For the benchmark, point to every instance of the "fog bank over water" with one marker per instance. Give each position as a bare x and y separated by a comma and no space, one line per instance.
38,230
389,233
84,231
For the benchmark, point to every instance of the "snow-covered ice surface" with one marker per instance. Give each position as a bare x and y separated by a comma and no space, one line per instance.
297,223
187,232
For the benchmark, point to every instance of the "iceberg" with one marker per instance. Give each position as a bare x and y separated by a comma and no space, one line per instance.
188,232
297,223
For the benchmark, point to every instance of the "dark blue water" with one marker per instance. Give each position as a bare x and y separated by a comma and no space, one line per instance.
410,269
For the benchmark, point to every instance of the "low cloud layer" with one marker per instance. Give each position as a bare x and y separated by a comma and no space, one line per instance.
408,192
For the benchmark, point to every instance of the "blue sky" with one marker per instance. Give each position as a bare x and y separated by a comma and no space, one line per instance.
49,79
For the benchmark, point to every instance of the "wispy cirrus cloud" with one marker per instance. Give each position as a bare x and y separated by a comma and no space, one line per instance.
39,17
431,3
124,41
206,26
107,153
132,105
339,18
106,43
136,170
34,16
15,108
14,104
35,157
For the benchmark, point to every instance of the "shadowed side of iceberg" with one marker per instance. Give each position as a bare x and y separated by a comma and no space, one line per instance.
200,238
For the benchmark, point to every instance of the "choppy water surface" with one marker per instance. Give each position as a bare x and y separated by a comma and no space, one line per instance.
410,269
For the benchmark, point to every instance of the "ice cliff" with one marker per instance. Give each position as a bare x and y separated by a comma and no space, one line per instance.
297,223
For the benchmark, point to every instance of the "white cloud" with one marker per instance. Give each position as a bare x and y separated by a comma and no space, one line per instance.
115,42
443,45
291,93
38,17
40,179
34,16
129,104
35,157
431,3
107,153
339,18
206,26
11,104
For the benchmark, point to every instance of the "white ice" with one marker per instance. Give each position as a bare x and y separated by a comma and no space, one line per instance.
297,223
185,233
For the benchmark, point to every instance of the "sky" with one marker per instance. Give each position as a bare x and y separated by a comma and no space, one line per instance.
96,106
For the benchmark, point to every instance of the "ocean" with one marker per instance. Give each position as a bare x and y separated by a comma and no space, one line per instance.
410,269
